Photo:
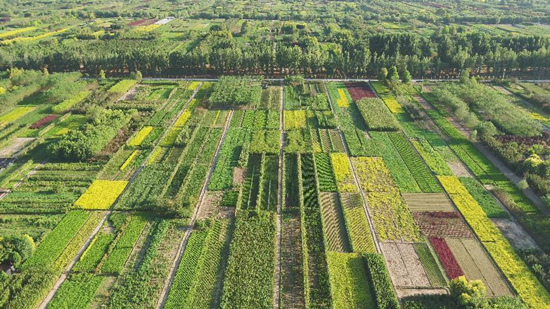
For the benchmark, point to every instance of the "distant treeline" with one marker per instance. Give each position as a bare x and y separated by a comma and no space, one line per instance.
217,52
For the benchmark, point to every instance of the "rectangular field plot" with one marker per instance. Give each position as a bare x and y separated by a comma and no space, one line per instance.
333,222
405,267
442,224
420,202
101,194
477,266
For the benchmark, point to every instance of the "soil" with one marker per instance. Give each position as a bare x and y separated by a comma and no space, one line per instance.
209,205
129,95
291,263
15,147
404,265
459,169
238,176
517,237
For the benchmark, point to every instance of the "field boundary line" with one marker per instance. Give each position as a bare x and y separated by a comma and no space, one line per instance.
278,240
173,269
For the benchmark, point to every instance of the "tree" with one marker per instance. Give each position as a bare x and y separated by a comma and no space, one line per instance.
523,185
45,72
136,76
407,78
101,75
393,75
473,136
16,248
467,291
465,76
382,75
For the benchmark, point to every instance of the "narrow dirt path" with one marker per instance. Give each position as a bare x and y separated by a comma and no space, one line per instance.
166,289
277,285
69,267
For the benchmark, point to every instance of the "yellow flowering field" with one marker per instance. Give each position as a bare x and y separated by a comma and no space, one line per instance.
154,155
193,85
137,139
342,173
101,194
16,31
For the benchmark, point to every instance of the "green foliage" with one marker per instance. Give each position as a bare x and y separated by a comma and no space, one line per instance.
82,144
231,90
53,245
78,290
249,274
16,248
376,115
484,198
381,282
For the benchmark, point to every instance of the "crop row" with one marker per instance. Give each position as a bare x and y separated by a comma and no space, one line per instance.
381,282
77,291
70,103
56,241
269,183
94,253
78,241
398,169
349,281
249,276
138,286
325,173
376,115
343,173
204,292
101,194
356,222
450,264
130,235
222,178
186,272
385,94
313,242
417,167
265,141
295,119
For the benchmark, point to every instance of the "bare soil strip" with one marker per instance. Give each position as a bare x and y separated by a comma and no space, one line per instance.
277,285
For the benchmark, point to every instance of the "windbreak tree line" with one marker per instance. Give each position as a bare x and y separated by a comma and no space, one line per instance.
362,55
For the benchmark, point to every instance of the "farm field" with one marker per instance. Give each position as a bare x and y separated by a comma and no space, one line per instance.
286,197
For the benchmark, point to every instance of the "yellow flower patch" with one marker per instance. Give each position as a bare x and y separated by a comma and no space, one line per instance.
343,100
129,160
342,173
101,194
15,114
140,136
